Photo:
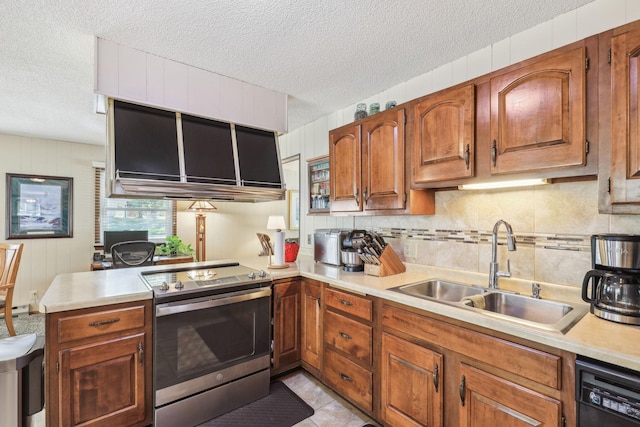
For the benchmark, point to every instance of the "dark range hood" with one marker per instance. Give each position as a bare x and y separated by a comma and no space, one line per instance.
154,153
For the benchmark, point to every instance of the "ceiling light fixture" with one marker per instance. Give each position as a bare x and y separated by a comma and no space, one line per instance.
504,184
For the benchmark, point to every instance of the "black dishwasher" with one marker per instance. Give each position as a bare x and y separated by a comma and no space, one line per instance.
606,395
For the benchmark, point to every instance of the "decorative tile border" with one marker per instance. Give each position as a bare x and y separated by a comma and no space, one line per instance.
561,242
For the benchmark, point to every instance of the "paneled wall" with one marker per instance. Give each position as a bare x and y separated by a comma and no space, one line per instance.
43,259
567,210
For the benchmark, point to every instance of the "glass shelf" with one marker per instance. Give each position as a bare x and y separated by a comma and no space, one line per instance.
319,200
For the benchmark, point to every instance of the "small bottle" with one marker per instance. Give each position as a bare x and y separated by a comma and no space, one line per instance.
361,111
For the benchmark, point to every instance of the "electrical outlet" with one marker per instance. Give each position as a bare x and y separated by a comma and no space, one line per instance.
34,295
308,239
411,249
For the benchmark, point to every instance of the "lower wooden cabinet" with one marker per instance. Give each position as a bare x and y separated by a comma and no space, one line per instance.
349,332
99,366
286,299
412,388
311,326
487,400
483,380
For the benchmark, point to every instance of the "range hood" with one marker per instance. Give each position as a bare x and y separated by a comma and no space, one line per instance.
154,153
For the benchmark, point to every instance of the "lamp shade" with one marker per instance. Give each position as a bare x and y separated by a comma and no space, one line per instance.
276,222
201,206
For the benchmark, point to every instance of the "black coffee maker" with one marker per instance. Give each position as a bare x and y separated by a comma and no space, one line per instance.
613,286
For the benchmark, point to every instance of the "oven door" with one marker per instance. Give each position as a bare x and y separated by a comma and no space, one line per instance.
208,341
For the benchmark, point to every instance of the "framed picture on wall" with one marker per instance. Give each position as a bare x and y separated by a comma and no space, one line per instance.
39,206
294,209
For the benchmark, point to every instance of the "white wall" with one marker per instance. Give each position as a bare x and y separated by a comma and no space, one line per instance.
43,259
531,212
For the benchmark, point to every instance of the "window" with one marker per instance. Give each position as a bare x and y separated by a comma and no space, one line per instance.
113,214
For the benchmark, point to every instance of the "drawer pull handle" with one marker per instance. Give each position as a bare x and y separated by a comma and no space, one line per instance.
462,390
345,336
436,372
348,303
345,377
104,322
140,354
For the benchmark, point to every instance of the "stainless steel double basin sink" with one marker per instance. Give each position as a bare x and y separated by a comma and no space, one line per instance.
547,315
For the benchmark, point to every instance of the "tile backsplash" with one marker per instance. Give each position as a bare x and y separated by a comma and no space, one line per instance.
553,225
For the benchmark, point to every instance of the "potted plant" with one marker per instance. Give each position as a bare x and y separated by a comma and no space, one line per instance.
174,247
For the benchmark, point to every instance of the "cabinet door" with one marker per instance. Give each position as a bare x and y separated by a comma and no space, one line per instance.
345,169
286,323
103,384
412,387
538,115
311,324
383,171
489,401
444,136
625,123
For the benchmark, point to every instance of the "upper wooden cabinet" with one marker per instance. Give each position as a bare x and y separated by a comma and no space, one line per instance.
625,118
367,168
345,176
444,136
538,115
367,164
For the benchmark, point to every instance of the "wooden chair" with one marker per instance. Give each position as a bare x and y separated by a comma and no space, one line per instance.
9,263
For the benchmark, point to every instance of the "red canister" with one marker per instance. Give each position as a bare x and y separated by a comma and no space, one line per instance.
291,251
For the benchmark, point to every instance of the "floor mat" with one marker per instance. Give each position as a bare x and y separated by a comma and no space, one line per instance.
281,408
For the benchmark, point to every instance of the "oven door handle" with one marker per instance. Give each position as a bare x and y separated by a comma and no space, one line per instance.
181,307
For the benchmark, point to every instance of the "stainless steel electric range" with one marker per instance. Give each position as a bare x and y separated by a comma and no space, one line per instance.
211,341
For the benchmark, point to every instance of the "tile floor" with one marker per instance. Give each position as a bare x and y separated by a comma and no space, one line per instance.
330,409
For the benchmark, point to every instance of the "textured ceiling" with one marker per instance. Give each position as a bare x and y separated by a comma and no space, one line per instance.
325,54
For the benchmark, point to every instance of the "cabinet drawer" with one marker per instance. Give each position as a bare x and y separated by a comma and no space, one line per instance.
349,379
349,336
87,325
349,303
506,355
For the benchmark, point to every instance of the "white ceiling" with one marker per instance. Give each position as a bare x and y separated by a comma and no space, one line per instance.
325,54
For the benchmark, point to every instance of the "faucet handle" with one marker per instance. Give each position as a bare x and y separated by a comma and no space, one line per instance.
505,273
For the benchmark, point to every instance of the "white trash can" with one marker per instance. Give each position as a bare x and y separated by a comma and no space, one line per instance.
21,378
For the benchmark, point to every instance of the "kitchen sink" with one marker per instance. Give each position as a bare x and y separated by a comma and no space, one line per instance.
542,314
439,290
547,315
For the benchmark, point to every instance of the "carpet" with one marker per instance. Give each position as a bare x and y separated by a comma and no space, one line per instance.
24,324
281,408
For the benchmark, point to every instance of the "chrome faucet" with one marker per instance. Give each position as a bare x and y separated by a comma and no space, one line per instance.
494,273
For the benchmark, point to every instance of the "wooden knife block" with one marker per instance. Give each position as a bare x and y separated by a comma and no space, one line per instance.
389,264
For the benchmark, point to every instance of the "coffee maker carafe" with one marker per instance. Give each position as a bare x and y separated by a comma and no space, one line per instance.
613,286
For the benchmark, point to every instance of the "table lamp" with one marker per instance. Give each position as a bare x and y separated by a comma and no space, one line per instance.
276,222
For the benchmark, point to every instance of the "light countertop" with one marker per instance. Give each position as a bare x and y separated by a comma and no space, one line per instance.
591,336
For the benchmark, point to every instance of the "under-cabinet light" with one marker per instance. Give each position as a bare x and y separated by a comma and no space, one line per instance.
503,184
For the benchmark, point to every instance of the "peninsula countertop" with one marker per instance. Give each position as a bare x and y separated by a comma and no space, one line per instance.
591,336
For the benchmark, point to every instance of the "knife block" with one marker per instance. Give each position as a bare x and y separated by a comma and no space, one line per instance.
389,264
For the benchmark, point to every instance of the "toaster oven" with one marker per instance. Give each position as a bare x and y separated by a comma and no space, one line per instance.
327,244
